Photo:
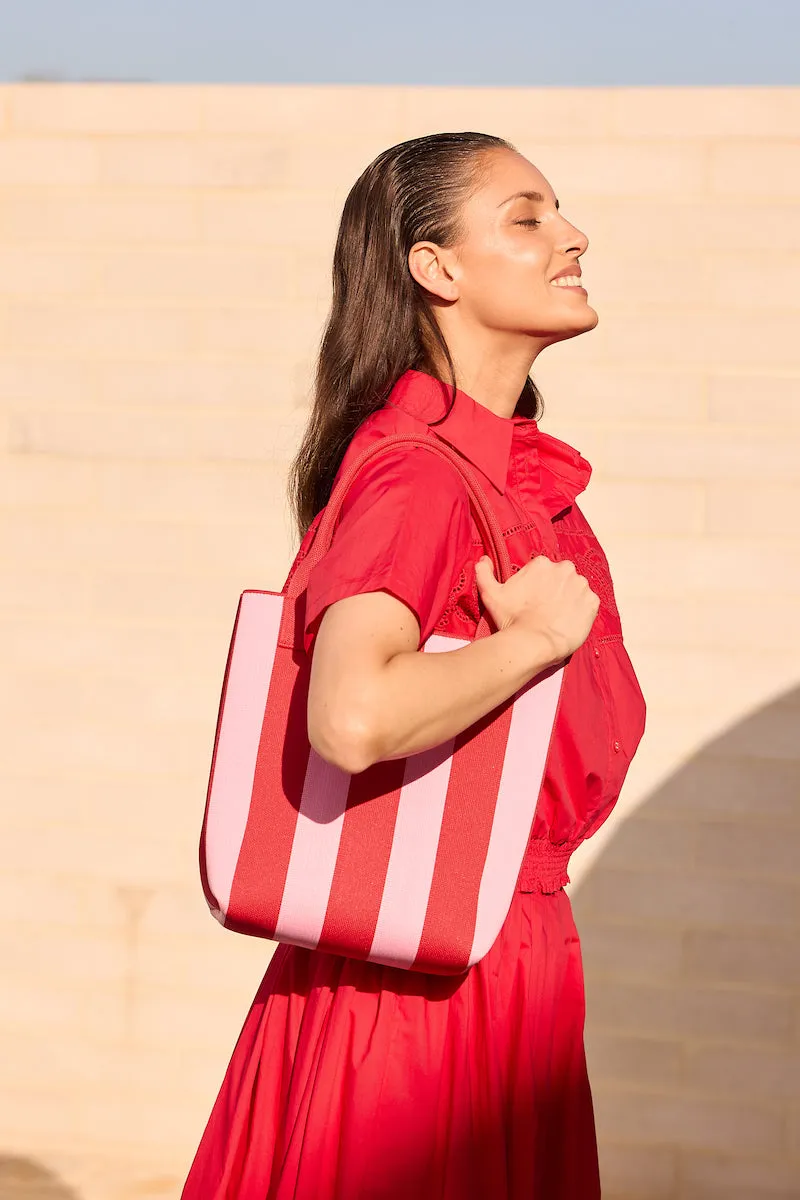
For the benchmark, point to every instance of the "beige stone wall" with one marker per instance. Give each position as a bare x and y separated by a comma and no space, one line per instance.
163,276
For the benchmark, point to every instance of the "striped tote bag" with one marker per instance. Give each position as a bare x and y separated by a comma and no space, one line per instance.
412,863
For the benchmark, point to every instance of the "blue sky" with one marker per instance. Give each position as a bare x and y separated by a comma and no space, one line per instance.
495,42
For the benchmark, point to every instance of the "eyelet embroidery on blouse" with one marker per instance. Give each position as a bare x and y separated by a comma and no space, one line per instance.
524,528
455,592
591,564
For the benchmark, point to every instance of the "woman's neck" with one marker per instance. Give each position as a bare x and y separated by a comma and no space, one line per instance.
492,375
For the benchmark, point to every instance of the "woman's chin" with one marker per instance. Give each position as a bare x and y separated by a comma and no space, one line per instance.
592,317
585,324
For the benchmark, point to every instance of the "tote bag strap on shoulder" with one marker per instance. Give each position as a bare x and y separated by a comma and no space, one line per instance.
489,527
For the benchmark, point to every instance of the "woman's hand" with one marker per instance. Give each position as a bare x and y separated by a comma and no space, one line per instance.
547,599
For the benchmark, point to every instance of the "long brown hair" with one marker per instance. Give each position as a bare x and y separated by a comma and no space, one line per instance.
380,323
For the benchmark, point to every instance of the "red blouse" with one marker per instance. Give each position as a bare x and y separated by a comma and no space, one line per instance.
406,528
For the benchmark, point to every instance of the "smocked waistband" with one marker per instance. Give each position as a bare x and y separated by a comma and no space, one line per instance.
544,866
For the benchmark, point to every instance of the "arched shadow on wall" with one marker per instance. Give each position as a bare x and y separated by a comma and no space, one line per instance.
690,924
26,1179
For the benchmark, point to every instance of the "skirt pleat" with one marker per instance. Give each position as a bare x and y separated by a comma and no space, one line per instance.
353,1081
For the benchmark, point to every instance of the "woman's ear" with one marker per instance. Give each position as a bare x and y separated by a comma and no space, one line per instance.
429,265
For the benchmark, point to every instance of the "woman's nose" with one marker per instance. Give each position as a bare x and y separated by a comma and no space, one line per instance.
574,241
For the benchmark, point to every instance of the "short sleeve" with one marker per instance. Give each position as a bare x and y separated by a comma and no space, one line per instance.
404,529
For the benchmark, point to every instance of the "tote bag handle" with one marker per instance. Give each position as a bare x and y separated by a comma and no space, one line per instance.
489,528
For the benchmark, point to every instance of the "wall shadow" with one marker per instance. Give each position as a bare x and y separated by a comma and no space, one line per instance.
690,925
26,1179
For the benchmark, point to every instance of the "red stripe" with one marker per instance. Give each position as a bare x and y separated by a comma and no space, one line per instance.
449,926
277,788
363,859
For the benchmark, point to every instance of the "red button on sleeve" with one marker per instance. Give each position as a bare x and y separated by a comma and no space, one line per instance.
405,529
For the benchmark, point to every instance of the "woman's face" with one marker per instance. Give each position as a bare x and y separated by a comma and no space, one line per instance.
517,268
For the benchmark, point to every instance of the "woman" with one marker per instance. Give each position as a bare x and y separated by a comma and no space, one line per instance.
453,269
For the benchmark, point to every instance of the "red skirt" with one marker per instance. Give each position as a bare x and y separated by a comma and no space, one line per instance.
352,1081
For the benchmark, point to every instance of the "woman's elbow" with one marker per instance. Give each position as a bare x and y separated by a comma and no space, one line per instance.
345,740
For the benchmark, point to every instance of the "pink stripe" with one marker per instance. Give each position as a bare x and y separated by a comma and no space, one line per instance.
314,851
410,871
251,663
532,721
416,839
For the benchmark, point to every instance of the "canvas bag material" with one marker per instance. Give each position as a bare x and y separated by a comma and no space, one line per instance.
411,863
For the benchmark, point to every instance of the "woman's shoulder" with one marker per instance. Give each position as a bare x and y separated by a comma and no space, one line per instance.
384,422
404,527
407,466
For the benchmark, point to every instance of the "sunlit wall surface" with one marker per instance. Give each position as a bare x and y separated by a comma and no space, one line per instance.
164,259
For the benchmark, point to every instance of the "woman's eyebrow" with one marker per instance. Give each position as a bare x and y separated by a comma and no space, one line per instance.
537,197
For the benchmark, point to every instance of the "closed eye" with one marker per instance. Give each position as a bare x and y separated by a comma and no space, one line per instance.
532,221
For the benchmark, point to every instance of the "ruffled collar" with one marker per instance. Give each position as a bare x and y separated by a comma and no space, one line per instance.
555,470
